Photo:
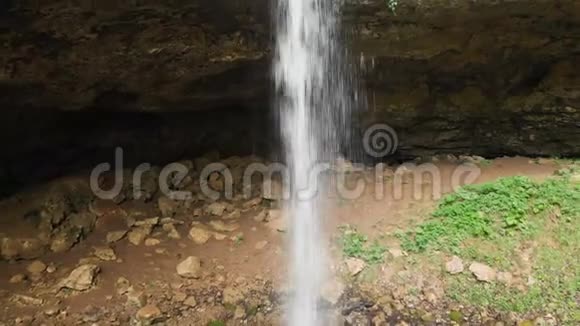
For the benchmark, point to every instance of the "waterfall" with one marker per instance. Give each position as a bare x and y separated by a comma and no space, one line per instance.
314,112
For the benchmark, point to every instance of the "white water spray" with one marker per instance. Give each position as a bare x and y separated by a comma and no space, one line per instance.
314,114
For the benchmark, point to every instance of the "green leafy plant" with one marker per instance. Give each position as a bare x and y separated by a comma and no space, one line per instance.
357,245
491,210
392,4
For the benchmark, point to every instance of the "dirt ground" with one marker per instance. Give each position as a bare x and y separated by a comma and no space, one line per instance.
249,262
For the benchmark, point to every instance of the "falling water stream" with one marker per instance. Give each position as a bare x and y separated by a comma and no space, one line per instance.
314,110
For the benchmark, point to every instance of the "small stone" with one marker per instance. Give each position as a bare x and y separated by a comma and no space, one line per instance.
482,272
232,215
396,252
232,296
138,235
148,315
190,302
354,265
219,236
65,239
52,310
115,236
18,278
36,267
89,260
148,222
169,220
172,232
136,298
216,208
81,278
189,268
505,277
223,227
199,235
454,266
167,206
179,296
26,248
261,244
105,253
51,269
150,242
26,300
123,285
252,203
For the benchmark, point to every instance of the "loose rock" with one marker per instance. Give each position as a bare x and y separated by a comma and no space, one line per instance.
190,302
18,278
172,232
148,222
189,268
454,266
354,265
199,235
21,248
232,296
150,242
81,278
115,236
137,235
105,253
148,315
482,272
36,267
216,208
223,227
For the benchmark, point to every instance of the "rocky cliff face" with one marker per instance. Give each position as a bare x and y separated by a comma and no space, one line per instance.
481,77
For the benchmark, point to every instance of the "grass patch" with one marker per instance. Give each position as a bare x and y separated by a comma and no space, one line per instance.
216,323
492,223
556,275
491,211
357,245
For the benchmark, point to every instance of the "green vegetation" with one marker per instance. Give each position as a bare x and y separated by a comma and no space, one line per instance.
485,163
392,4
238,239
216,323
357,245
509,224
555,275
502,208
